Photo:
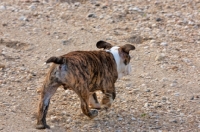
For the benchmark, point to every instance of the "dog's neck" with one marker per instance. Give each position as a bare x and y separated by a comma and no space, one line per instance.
122,69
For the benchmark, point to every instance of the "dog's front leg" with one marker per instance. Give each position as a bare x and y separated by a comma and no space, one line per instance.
108,97
84,97
93,101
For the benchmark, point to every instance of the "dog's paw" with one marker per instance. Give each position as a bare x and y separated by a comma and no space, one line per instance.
93,113
42,126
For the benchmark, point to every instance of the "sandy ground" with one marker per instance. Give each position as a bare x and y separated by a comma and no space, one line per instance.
163,92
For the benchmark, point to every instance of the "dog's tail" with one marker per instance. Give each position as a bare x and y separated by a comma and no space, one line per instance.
57,60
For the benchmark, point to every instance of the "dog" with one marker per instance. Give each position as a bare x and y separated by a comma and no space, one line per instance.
86,72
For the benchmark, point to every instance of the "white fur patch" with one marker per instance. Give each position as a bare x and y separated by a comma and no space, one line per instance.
122,69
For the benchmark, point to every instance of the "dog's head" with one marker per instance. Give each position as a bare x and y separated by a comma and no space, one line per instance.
121,55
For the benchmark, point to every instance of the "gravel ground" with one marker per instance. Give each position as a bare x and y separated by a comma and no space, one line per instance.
161,95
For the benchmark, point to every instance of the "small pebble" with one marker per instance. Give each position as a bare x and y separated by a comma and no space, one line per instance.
158,19
174,83
164,98
133,119
173,120
164,44
77,4
160,57
188,61
32,7
146,105
135,9
120,119
2,7
92,15
4,24
23,18
177,94
58,49
147,90
97,4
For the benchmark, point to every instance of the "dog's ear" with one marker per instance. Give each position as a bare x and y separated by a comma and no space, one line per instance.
102,44
127,47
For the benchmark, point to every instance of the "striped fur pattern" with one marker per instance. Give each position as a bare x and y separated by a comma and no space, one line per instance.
85,72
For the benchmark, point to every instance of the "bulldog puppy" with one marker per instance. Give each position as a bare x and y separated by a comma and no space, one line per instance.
86,72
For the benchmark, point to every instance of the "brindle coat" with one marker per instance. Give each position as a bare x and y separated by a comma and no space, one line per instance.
85,72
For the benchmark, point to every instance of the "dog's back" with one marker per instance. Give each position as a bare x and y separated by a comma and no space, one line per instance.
92,69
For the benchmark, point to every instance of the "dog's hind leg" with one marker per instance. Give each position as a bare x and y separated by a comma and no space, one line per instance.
48,90
46,93
109,96
84,97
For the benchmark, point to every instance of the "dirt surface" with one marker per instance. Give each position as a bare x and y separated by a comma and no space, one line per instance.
163,92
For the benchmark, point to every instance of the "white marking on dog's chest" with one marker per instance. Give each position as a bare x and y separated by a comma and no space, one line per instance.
115,53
